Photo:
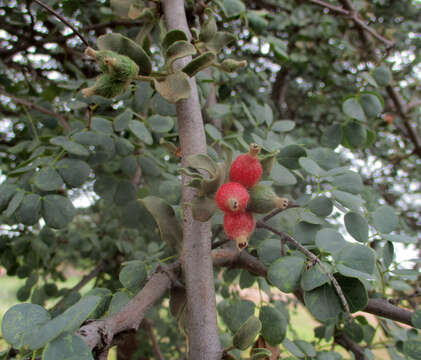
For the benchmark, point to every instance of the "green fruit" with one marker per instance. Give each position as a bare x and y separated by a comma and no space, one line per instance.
263,199
106,86
246,334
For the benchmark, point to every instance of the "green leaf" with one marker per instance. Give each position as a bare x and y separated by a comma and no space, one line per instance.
382,75
14,203
332,137
321,206
70,146
124,192
354,291
237,313
358,257
173,87
323,303
282,176
293,349
245,335
69,320
118,301
213,132
355,134
166,220
122,120
371,104
161,124
288,156
57,211
356,226
354,331
124,46
313,278
67,346
330,241
274,325
202,162
173,36
283,126
28,212
73,171
279,48
305,232
203,208
269,250
48,179
388,254
102,125
350,272
129,165
140,131
385,219
348,200
285,273
400,238
133,275
6,193
219,41
352,108
369,79
400,285
233,8
123,146
19,320
199,63
416,319
349,181
178,50
261,354
412,348
306,347
311,166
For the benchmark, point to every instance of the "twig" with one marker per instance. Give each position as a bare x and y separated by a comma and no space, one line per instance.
353,15
31,105
80,285
314,260
148,326
277,211
63,20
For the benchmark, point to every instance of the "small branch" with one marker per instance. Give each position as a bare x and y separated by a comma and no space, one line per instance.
148,326
277,211
80,285
350,345
383,308
99,334
41,109
63,20
314,259
354,16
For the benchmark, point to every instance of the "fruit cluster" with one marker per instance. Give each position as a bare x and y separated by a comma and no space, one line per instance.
243,196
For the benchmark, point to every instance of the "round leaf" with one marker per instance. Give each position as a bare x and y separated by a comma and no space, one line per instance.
358,257
354,291
274,325
133,275
173,87
73,171
416,319
288,156
355,134
330,241
350,182
382,75
321,206
57,211
356,226
246,334
371,104
237,313
311,166
313,278
140,131
29,209
323,303
352,108
385,219
21,319
161,124
48,179
285,273
67,346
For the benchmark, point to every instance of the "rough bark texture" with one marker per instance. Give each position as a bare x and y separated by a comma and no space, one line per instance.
196,257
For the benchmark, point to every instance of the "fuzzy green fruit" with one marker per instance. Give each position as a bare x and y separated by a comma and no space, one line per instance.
106,87
263,199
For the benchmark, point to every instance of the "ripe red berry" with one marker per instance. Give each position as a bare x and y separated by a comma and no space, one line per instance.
246,168
239,227
232,197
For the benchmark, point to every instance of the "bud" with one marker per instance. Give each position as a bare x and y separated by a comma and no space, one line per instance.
231,65
263,199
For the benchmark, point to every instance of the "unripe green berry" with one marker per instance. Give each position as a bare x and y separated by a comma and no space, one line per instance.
263,199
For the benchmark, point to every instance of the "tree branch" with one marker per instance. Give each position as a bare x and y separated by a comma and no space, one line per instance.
230,257
41,109
148,327
80,285
314,260
99,334
63,20
196,257
354,16
350,345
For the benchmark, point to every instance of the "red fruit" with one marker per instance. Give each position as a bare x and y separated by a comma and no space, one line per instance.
246,168
232,197
239,227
